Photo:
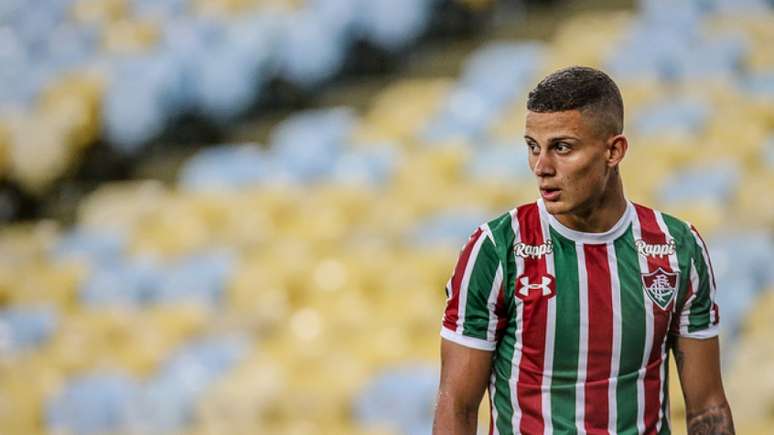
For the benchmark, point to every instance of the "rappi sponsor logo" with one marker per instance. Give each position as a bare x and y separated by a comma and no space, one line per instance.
655,250
533,251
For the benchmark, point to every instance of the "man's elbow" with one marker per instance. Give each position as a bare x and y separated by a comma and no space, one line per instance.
454,415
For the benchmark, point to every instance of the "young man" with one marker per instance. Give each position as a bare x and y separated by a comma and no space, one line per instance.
566,308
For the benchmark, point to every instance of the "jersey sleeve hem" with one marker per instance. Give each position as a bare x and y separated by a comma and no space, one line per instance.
702,334
464,340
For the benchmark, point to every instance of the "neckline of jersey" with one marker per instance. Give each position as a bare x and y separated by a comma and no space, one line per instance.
593,238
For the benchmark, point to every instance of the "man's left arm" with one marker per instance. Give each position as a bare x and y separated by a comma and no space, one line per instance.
698,366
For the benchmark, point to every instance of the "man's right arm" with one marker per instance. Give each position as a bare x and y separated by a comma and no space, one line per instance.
464,375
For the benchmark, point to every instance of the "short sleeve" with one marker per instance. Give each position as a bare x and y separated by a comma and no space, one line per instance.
474,294
699,316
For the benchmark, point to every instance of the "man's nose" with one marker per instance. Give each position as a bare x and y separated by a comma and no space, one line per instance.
543,165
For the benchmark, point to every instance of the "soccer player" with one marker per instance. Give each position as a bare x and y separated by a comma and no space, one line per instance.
566,308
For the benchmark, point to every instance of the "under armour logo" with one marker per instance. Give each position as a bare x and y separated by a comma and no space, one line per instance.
546,286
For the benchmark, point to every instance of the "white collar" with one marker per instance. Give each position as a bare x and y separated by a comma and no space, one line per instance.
608,236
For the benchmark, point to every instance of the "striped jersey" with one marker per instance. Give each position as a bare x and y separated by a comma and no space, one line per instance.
579,323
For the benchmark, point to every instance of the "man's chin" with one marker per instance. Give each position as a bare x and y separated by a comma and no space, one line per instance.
555,207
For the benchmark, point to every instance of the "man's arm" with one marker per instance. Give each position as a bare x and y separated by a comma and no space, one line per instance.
698,365
464,376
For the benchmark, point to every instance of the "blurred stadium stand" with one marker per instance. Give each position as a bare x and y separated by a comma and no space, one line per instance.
292,282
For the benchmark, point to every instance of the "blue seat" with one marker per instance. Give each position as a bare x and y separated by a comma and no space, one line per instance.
393,24
493,76
448,229
712,183
96,403
677,115
505,163
199,278
226,167
400,398
90,245
308,144
311,49
131,282
137,103
372,167
25,327
171,395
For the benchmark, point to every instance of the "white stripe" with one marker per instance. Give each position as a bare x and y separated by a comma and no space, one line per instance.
548,355
583,341
674,265
648,304
491,303
710,275
463,299
704,334
517,345
467,341
492,407
685,314
615,285
685,320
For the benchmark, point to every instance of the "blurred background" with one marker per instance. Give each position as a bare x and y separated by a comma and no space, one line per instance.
238,216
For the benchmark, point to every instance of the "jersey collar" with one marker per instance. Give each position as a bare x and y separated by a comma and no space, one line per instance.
593,238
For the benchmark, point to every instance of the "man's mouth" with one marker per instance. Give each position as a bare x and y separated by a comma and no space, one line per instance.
550,193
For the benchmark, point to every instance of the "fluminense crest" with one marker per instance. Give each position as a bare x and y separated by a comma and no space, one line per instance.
661,287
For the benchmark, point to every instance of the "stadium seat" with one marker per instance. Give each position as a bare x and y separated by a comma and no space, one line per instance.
294,286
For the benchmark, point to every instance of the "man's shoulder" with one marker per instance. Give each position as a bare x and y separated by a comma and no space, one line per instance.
678,229
501,228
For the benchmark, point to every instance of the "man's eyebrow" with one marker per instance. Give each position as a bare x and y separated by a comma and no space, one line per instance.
558,138
554,138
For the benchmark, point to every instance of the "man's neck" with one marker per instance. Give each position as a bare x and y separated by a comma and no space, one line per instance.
601,215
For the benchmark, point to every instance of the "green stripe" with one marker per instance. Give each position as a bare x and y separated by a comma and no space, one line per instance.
502,368
502,232
479,286
689,249
699,318
665,404
632,331
680,232
565,364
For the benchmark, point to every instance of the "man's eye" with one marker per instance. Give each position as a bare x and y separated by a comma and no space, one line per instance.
533,148
562,147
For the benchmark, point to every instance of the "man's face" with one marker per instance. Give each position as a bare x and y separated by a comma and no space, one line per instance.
568,158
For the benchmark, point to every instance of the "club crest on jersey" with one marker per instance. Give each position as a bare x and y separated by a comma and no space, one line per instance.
544,286
661,287
655,250
524,250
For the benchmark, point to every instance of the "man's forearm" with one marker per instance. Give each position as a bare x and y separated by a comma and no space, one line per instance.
714,420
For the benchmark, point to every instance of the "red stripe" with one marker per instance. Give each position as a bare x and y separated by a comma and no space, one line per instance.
600,342
530,380
651,233
452,307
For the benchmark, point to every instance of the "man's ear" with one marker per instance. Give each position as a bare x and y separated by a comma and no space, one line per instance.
616,149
